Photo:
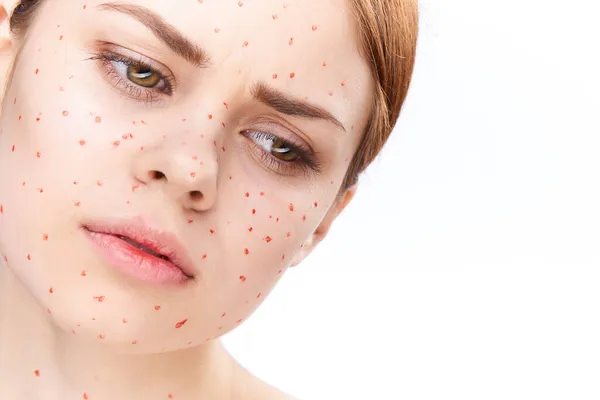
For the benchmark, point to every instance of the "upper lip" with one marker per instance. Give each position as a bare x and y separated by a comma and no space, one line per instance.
161,242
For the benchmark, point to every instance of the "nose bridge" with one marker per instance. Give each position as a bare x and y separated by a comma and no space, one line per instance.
185,167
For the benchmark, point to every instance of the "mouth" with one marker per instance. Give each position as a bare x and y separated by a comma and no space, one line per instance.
141,251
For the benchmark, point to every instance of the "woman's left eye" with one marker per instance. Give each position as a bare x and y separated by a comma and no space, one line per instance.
282,156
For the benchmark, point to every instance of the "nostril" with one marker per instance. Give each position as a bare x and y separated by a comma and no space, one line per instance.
196,195
157,175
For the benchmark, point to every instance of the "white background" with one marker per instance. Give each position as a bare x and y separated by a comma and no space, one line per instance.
468,266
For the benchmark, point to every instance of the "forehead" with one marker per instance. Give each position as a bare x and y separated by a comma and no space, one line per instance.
308,48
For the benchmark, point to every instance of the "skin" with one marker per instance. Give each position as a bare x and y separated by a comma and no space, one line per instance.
79,141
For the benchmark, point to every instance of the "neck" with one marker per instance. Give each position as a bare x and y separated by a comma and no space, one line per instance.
40,360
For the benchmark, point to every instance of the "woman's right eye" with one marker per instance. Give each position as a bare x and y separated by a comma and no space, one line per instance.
137,78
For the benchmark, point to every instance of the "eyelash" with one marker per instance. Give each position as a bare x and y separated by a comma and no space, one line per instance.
305,163
139,93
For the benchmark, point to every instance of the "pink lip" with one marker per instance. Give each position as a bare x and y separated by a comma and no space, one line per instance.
169,264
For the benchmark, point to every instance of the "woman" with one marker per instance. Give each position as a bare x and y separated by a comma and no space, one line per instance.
162,166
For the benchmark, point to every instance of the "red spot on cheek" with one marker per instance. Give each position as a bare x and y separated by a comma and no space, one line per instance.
157,308
99,299
51,290
243,278
253,211
291,41
246,251
37,71
274,76
83,273
85,396
247,194
314,27
37,372
292,75
65,113
250,229
180,324
98,120
268,239
82,142
291,207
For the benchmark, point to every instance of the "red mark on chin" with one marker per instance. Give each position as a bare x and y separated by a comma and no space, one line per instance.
180,324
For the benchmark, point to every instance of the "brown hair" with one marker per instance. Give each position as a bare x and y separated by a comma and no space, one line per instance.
387,32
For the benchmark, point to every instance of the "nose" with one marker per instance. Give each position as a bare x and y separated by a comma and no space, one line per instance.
188,178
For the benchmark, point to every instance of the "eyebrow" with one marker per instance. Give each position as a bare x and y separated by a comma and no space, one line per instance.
290,106
164,31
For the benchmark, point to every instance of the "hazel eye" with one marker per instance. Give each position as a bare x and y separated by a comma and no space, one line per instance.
143,76
138,74
277,147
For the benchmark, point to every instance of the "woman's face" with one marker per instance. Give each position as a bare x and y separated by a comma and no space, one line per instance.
215,132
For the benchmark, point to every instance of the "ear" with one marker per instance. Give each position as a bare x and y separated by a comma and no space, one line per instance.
6,42
323,229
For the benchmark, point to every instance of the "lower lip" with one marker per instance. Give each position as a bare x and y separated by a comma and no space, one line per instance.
134,262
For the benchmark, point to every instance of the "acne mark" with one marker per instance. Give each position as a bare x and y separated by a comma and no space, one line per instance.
253,211
292,75
101,336
330,93
82,142
210,116
288,234
60,37
98,120
134,187
36,372
243,279
268,239
258,296
51,290
116,143
283,257
245,44
223,123
240,3
239,321
274,16
246,251
37,119
342,84
314,27
217,30
65,113
37,71
291,43
170,396
1,209
134,342
204,256
84,6
250,229
77,203
157,308
190,221
247,194
274,76
99,299
226,106
180,324
13,148
83,273
192,174
304,218
124,320
212,231
291,207
324,64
